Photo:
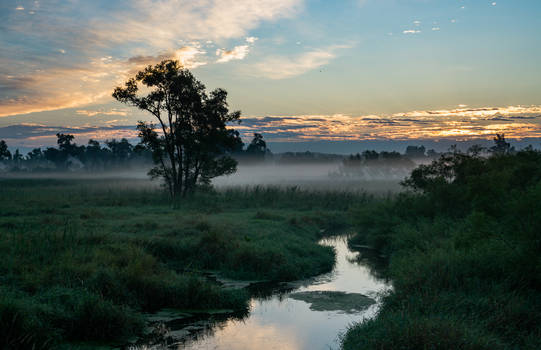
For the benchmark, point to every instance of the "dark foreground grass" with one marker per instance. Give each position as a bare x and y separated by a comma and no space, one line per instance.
82,260
464,258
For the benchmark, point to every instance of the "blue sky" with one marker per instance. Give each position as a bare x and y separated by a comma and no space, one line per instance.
340,62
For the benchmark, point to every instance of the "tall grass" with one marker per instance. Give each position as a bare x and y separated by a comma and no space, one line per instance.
82,260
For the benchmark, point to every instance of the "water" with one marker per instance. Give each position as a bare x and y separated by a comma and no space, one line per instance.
276,321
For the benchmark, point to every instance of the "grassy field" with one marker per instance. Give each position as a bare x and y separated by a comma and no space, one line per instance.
82,260
464,257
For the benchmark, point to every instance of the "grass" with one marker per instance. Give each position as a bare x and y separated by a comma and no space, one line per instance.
464,257
82,260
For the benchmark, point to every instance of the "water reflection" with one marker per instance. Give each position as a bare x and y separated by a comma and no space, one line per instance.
275,320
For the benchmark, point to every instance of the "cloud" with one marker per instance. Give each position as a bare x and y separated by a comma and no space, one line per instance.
517,122
101,45
114,111
188,56
37,134
281,67
237,53
411,31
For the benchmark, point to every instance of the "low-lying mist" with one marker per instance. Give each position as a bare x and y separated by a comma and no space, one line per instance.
321,176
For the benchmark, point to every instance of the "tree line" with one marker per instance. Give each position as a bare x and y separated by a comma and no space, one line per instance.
70,156
95,156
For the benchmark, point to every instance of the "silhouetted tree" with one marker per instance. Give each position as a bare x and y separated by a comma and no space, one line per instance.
121,150
95,156
475,150
193,144
35,154
258,146
390,155
431,153
64,142
5,154
415,152
55,156
370,155
501,146
17,158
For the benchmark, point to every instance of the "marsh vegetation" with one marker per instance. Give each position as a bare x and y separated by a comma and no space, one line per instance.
83,260
95,260
463,253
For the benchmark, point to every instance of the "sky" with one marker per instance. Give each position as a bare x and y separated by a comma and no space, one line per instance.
299,70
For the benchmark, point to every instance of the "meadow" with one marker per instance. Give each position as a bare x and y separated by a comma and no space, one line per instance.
84,260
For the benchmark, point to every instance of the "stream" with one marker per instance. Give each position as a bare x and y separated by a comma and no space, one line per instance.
309,314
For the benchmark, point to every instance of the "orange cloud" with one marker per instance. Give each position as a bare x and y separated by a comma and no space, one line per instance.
460,124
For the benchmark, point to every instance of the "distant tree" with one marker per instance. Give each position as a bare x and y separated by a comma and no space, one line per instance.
193,143
431,153
95,156
35,155
475,150
258,146
390,155
17,157
501,147
5,154
121,150
355,157
55,156
415,151
370,155
64,142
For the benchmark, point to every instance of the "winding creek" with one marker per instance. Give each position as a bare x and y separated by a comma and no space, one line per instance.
307,314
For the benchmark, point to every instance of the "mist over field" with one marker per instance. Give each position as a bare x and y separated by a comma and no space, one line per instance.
325,176
320,177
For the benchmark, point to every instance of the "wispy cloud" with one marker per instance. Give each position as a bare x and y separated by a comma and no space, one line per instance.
283,67
92,113
237,53
411,31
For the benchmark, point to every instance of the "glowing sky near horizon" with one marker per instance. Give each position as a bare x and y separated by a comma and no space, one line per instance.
298,69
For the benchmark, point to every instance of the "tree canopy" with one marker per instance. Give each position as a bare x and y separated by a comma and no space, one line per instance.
191,142
5,154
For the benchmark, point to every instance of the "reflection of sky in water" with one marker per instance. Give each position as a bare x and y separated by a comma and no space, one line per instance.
290,324
347,276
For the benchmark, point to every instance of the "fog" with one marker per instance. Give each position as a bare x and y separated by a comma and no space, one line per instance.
319,176
324,176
